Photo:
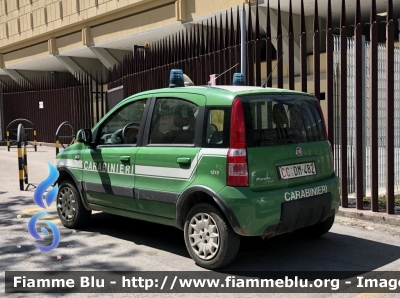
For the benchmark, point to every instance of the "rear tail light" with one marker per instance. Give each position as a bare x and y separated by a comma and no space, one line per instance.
237,174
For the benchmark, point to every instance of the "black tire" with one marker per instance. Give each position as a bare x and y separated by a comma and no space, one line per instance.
228,240
69,202
318,229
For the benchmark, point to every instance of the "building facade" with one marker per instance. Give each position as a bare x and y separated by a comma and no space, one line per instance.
47,37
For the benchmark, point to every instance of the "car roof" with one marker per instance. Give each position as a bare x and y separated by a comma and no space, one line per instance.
218,95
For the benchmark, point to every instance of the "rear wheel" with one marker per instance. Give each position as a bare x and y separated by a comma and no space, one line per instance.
209,238
318,229
70,208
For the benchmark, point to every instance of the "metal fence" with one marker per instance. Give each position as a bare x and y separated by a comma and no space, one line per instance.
79,100
366,129
382,120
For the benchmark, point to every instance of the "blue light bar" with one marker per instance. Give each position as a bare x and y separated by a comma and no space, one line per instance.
238,79
176,78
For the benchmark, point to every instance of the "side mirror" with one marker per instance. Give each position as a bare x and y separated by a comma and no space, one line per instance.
84,136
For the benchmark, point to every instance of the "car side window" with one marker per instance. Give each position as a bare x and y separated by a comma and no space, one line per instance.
122,127
216,128
173,122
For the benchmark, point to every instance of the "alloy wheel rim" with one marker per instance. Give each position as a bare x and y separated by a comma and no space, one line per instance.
204,236
67,204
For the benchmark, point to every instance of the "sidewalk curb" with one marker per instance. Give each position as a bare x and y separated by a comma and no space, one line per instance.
380,218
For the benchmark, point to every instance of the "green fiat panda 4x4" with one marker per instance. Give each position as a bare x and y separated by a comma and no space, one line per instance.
218,162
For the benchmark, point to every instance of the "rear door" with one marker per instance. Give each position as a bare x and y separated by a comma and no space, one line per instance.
286,141
167,161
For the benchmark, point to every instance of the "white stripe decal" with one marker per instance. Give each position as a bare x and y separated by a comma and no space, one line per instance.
213,151
69,163
114,173
176,172
162,172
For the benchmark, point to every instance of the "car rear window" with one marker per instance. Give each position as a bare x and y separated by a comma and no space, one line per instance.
273,120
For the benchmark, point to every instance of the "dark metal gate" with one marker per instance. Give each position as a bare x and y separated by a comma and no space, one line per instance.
48,102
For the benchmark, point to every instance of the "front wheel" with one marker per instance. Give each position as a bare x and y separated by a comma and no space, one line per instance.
318,229
209,238
70,208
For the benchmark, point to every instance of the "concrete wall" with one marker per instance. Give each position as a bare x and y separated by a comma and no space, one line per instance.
24,21
158,17
26,26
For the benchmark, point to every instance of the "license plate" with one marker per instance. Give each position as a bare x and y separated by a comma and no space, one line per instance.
299,170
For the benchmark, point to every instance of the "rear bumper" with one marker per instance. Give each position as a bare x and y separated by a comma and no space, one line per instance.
302,213
274,212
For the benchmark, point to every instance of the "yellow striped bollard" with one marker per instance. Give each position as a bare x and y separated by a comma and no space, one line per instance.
26,162
20,139
57,146
34,139
8,140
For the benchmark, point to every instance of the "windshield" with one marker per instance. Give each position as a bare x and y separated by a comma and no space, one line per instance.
282,119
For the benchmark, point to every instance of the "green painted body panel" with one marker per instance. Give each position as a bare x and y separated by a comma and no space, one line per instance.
70,153
211,172
159,209
162,162
135,215
157,169
166,169
264,162
256,211
112,172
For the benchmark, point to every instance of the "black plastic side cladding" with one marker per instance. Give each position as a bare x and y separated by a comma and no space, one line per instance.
230,216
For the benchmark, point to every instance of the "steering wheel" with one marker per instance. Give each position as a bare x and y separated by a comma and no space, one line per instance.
115,138
130,132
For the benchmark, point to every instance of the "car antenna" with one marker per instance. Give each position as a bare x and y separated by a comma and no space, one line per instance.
263,85
209,82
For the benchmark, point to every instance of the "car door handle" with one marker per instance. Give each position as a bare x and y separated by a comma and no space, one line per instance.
185,160
124,158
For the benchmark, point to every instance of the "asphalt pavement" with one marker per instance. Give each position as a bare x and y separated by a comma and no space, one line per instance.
113,243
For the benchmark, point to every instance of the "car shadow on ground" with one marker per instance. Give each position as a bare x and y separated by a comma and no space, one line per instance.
18,252
289,252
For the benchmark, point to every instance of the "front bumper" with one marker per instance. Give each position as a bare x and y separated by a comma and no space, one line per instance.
273,212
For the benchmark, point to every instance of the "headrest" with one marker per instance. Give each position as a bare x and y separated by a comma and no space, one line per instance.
164,109
183,115
279,114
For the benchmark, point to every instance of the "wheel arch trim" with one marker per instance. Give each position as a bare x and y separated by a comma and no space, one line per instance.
226,210
77,182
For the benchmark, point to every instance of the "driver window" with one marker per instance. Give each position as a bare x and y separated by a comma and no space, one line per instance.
122,127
